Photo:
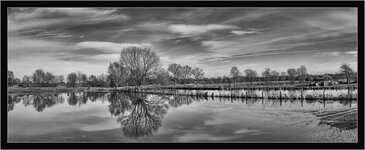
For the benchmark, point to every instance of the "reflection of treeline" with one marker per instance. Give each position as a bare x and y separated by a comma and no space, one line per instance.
39,102
42,101
120,102
81,98
12,100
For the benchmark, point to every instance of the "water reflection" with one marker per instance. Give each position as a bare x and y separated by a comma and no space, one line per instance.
12,100
138,114
121,102
39,102
141,115
177,101
77,99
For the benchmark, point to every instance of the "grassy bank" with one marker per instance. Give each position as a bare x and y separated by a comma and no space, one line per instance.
255,94
254,86
331,125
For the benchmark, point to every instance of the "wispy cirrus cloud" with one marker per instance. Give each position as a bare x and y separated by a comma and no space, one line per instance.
326,54
109,46
254,14
244,131
186,29
249,31
354,53
22,19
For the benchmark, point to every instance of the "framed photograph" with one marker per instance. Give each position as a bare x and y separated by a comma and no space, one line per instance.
182,74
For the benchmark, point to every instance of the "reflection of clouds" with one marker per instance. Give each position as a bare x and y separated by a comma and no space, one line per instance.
193,137
101,124
243,131
229,116
219,120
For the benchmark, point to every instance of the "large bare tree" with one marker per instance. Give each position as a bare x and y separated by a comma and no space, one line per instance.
140,63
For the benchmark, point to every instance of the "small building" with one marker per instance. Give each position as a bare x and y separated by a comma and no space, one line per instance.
61,84
315,84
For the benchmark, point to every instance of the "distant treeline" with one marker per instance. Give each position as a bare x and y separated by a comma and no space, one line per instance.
140,66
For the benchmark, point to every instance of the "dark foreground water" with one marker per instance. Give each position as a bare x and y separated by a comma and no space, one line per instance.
122,117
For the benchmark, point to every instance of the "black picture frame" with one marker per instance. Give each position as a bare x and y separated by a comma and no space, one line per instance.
358,4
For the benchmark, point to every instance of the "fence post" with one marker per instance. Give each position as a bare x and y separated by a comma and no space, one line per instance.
324,95
262,93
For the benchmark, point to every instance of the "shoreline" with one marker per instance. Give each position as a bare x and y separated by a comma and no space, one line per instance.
187,92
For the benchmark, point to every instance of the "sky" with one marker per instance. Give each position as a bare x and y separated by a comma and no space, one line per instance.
65,40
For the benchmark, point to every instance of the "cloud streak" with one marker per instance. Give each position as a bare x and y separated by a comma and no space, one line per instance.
24,19
197,29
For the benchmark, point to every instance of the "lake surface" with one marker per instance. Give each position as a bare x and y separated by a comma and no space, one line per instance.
126,117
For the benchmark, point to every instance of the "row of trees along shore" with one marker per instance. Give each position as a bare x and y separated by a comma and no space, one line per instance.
141,66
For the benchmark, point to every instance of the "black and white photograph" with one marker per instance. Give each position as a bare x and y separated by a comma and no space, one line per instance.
182,75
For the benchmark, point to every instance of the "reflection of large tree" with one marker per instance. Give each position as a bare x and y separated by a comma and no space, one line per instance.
119,103
139,115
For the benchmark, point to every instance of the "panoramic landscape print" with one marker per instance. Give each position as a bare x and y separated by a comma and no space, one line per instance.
169,75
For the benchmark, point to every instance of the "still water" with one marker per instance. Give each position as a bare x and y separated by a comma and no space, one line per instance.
126,117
